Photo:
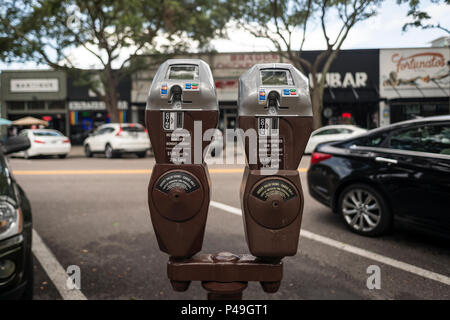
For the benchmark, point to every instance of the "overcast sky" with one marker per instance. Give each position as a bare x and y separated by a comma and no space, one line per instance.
381,31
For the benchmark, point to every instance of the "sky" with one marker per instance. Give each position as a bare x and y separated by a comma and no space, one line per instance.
381,31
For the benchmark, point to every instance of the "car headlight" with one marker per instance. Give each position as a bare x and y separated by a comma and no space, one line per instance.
10,220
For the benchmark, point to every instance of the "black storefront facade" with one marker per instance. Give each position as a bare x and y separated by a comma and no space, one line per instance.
86,111
351,95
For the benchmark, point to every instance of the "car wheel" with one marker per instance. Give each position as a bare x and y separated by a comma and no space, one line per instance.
87,151
62,156
364,210
141,154
109,152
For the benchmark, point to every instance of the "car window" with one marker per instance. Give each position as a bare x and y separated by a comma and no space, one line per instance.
374,140
133,129
428,138
327,131
104,131
47,133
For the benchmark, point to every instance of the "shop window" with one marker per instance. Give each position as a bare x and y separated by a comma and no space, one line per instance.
56,105
16,105
36,105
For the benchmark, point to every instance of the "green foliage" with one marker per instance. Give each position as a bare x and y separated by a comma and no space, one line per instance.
421,19
47,32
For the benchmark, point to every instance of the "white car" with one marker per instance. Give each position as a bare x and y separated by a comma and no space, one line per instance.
45,142
114,139
332,133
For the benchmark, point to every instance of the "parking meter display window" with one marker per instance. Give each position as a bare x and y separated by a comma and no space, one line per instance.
274,188
275,77
177,179
183,72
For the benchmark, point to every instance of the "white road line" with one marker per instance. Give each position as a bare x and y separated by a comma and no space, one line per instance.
355,250
54,270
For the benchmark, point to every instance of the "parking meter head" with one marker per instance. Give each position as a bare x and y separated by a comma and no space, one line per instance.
182,94
188,81
274,89
181,106
273,101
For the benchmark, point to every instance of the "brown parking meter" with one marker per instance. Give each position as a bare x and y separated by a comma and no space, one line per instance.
274,102
182,99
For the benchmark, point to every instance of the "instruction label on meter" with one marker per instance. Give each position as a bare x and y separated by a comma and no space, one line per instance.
268,126
274,187
172,120
178,179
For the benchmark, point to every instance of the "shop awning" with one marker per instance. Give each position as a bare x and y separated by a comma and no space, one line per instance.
29,121
5,122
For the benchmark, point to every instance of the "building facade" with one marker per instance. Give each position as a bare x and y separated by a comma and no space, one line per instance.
414,83
368,88
41,94
86,111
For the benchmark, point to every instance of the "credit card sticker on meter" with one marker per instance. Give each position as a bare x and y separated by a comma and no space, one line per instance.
164,89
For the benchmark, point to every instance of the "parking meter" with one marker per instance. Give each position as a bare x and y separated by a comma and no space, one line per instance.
182,100
273,101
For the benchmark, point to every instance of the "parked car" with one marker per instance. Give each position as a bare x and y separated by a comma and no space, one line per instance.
45,142
332,133
397,173
16,261
114,139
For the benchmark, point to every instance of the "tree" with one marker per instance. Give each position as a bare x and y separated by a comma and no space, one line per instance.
47,32
420,18
287,24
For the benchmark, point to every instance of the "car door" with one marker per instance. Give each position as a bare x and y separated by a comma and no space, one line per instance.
417,175
105,137
95,139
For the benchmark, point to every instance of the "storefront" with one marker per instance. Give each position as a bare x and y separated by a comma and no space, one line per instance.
351,93
86,111
414,83
40,94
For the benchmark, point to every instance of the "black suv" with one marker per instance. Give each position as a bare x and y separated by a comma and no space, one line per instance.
16,261
400,172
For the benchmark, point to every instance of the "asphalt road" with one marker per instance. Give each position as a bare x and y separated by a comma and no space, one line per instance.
93,213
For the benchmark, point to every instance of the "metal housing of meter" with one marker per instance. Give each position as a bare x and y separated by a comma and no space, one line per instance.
182,92
274,100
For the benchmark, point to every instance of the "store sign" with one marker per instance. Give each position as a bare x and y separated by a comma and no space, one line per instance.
34,85
408,73
243,61
345,80
94,105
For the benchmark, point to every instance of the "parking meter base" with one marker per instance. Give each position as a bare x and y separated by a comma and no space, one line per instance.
178,198
272,208
225,275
